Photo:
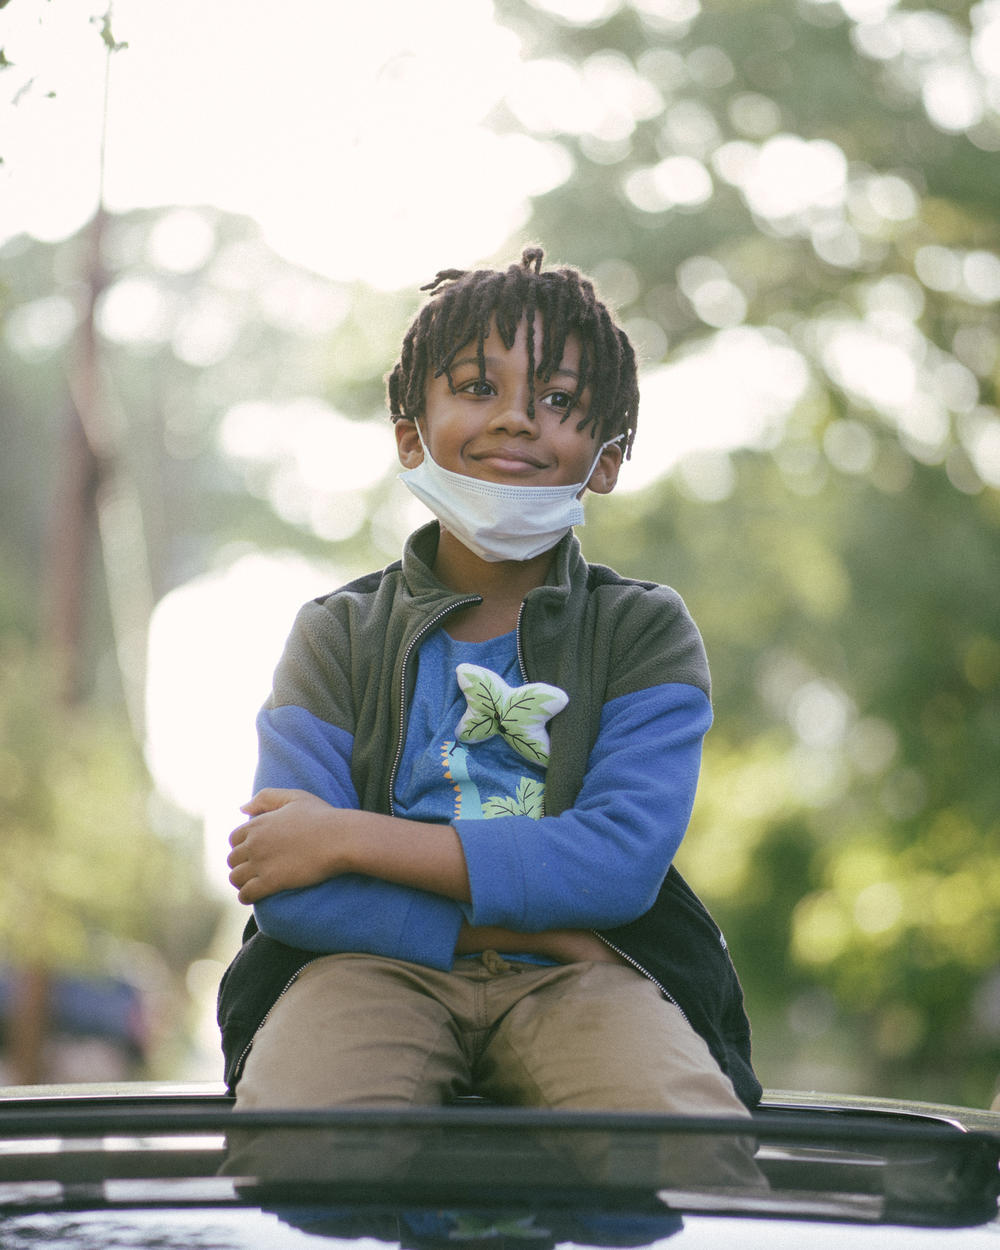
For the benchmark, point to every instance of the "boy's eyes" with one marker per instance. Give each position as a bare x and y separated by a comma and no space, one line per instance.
481,388
558,399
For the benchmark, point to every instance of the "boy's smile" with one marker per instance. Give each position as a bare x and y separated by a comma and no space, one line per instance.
482,428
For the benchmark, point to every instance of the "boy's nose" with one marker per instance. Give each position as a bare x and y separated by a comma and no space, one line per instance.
514,416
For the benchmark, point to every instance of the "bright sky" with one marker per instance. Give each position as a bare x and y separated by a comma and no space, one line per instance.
331,124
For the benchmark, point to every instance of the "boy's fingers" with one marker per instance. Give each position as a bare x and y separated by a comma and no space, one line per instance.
246,893
249,888
258,804
239,861
270,799
246,883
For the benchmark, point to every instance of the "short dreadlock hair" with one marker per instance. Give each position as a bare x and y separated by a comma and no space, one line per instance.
465,303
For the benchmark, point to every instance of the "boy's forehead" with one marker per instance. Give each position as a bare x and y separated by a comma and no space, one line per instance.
494,349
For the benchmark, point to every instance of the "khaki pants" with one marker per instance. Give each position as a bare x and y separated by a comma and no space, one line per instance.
362,1030
359,1029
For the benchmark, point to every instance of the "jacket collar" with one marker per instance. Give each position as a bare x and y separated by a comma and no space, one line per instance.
568,566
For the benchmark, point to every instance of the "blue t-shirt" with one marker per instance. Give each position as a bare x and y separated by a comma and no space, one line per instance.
476,741
441,778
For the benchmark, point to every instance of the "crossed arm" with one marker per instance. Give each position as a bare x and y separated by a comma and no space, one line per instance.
294,839
328,876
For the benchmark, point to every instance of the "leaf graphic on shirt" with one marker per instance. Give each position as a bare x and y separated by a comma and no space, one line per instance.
518,713
529,801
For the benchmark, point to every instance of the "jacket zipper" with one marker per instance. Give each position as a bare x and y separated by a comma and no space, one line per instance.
238,1070
517,636
634,963
418,637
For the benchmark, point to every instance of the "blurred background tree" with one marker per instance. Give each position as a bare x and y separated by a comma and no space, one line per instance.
793,206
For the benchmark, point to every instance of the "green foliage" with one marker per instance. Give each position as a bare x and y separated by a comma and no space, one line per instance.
846,826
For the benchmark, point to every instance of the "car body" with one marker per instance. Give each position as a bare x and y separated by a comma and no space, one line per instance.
166,1166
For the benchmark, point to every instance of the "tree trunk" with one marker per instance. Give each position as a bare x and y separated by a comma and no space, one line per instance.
66,573
29,1013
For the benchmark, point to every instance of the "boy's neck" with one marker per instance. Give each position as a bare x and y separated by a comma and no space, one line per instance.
502,584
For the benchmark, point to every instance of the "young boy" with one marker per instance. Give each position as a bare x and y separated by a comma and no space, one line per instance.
477,764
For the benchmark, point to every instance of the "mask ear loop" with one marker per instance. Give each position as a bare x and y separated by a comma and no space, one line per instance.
423,445
600,452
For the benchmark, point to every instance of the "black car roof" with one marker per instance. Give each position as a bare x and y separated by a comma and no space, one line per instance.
870,1163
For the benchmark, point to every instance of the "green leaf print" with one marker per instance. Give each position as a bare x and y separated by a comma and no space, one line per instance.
529,801
518,713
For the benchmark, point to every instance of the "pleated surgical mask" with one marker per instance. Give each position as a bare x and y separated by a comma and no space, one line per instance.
494,520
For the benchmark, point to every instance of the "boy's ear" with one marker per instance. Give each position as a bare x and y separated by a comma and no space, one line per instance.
408,445
605,475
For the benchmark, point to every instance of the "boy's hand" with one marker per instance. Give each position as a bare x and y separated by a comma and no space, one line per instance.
289,841
566,946
294,839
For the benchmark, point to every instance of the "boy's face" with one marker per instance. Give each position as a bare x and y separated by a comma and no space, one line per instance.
483,430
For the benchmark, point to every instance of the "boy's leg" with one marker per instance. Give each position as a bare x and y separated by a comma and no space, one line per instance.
354,1029
599,1036
351,1030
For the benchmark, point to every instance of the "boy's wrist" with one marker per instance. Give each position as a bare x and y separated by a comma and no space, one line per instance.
354,846
414,853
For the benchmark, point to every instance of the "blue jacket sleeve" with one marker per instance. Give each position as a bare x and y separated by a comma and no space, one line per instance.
352,912
601,862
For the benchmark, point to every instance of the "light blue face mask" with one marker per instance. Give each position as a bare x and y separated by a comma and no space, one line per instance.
496,521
